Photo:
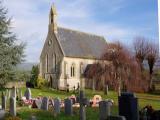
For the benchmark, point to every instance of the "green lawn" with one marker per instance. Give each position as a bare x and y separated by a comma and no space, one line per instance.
92,113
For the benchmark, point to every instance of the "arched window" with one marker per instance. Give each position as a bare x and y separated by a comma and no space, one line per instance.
46,63
81,68
73,70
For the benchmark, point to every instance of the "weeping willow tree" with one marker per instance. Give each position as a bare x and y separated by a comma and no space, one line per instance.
11,52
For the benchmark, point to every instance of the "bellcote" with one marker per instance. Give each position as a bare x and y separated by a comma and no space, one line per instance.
53,19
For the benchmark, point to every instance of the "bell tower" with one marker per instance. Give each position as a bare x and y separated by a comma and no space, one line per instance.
53,19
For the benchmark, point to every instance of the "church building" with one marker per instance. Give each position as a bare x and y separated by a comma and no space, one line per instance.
66,53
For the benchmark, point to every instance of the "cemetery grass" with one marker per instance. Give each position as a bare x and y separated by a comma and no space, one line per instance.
144,98
92,113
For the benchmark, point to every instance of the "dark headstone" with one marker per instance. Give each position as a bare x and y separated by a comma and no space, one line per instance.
104,110
82,105
68,106
45,102
12,106
128,106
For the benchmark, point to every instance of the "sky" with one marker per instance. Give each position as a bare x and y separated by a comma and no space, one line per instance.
116,20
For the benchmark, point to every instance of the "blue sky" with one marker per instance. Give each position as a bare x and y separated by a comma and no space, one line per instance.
114,19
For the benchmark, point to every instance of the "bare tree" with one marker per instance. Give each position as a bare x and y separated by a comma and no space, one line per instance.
117,68
141,49
151,57
145,50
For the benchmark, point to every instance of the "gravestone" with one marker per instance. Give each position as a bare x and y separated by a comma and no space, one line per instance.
13,92
83,102
128,106
12,109
116,118
68,106
2,114
104,110
45,102
38,103
27,94
4,100
57,105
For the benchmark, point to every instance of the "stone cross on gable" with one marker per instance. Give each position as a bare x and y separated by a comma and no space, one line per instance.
83,102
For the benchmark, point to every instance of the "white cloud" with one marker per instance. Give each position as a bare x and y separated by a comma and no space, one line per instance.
30,21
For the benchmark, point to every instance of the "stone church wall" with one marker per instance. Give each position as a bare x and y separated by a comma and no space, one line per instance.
53,51
79,64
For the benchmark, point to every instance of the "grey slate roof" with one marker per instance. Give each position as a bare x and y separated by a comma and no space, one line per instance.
80,44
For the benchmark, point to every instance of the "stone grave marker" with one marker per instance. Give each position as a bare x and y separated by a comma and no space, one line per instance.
4,100
68,109
2,114
45,103
38,103
57,106
27,94
12,109
83,102
104,110
128,106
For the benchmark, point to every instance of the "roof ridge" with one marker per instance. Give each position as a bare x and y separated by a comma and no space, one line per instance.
87,33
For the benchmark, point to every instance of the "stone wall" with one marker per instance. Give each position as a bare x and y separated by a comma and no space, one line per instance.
80,65
17,84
